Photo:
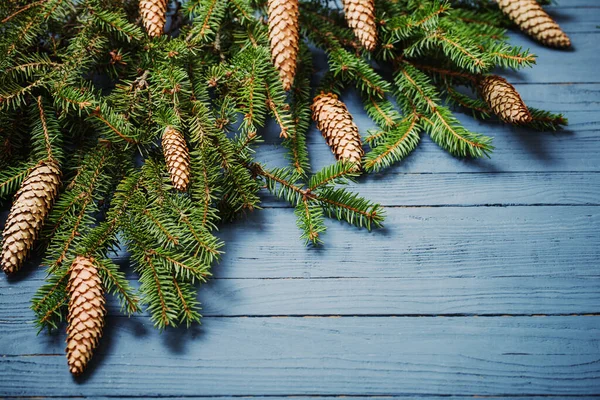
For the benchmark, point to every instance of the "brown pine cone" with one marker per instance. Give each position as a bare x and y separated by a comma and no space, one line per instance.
284,38
339,130
177,158
154,15
31,205
86,313
504,100
360,15
534,21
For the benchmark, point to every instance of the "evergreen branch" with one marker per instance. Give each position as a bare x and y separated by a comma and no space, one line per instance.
172,239
310,221
117,22
114,281
301,114
161,315
479,108
396,145
545,120
21,10
45,129
381,111
339,173
188,303
461,142
211,13
350,207
112,127
12,178
415,90
49,301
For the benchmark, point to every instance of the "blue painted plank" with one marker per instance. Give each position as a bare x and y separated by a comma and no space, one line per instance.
574,65
386,397
474,189
319,356
367,296
423,242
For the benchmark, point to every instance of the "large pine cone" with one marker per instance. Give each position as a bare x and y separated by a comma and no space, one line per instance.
86,313
534,21
360,15
31,205
504,100
284,38
154,15
177,158
339,130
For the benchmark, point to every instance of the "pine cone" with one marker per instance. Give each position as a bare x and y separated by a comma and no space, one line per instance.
284,38
504,100
360,15
177,158
534,21
339,130
31,205
154,16
86,313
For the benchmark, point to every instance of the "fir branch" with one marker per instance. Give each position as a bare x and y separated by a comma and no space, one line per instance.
301,114
545,120
11,178
394,146
114,282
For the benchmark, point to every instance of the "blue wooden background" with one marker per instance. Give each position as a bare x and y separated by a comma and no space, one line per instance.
484,282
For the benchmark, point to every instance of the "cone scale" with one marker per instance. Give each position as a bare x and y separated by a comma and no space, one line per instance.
31,206
86,313
154,15
535,22
338,128
360,15
177,158
284,38
504,100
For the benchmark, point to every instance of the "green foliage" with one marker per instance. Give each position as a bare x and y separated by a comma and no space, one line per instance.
80,82
321,194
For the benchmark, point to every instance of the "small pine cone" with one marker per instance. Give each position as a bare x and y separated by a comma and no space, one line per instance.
177,158
284,38
86,313
360,15
154,15
31,205
534,21
504,100
339,130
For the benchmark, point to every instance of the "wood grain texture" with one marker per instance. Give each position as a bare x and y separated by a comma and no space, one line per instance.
564,295
475,189
443,302
326,356
421,242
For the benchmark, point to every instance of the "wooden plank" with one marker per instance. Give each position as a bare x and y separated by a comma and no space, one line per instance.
468,189
557,66
424,242
386,397
369,296
572,3
318,356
